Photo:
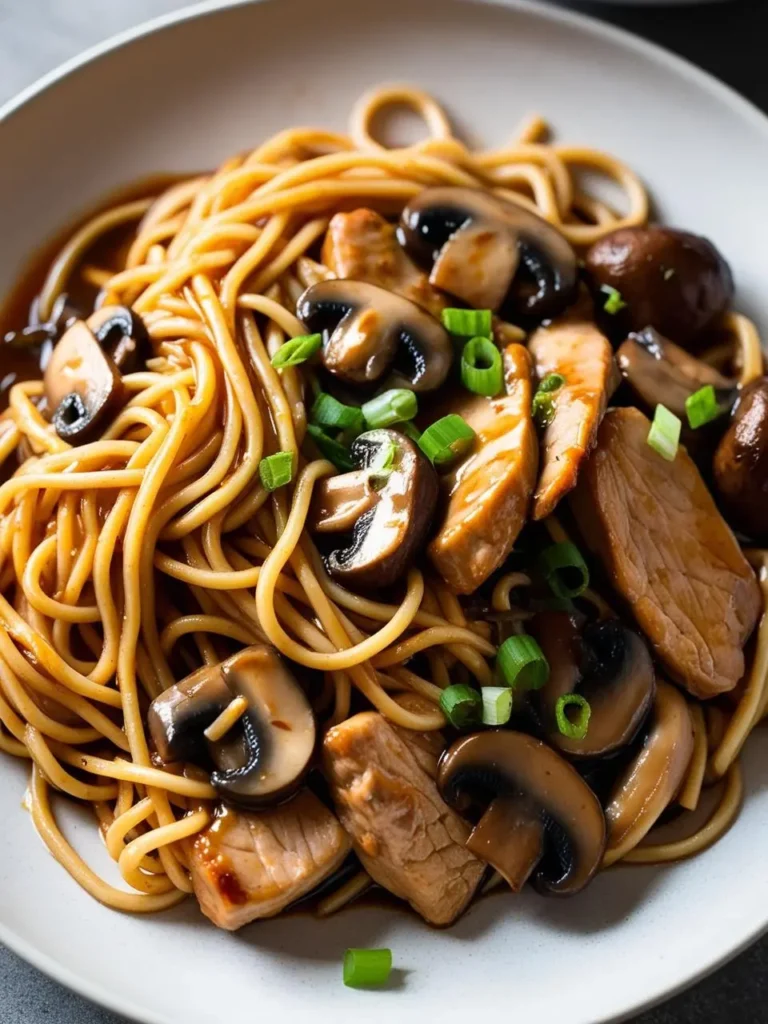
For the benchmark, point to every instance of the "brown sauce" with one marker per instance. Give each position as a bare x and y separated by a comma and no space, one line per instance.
21,362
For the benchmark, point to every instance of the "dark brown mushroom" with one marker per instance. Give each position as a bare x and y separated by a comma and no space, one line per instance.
538,813
394,508
267,753
658,371
370,333
671,280
25,354
654,776
741,463
609,665
83,387
490,253
122,334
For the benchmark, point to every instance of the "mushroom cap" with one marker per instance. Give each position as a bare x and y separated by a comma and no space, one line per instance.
502,763
610,666
654,776
660,372
474,242
741,463
672,280
265,756
387,536
83,386
369,332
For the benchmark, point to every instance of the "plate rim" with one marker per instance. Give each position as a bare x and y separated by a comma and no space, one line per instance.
581,21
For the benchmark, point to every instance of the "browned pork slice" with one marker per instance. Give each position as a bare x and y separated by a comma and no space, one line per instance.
669,552
362,246
249,865
489,491
573,347
407,838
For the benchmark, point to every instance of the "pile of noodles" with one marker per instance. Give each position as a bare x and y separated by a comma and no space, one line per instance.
90,535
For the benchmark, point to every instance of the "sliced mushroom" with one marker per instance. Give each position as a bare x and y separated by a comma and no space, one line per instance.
178,718
122,334
658,371
388,534
339,501
653,778
539,814
671,280
609,665
474,244
369,333
741,463
25,354
268,753
83,387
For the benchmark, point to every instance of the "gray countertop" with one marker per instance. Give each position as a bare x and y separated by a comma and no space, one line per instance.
728,39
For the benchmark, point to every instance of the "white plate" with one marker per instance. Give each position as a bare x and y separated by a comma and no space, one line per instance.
180,95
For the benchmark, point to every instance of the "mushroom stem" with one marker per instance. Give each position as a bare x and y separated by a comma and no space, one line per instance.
339,501
509,837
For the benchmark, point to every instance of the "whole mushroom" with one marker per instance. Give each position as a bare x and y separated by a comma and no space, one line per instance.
741,463
609,665
539,817
387,504
269,751
672,280
489,252
370,333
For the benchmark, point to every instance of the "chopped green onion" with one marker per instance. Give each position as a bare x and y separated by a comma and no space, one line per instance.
481,369
364,968
276,470
614,303
497,705
383,464
297,350
468,323
461,705
565,570
522,663
331,449
701,407
393,406
543,405
664,435
543,409
410,430
446,440
552,382
574,730
328,411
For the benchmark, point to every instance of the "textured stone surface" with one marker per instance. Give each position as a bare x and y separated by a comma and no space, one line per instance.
727,39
